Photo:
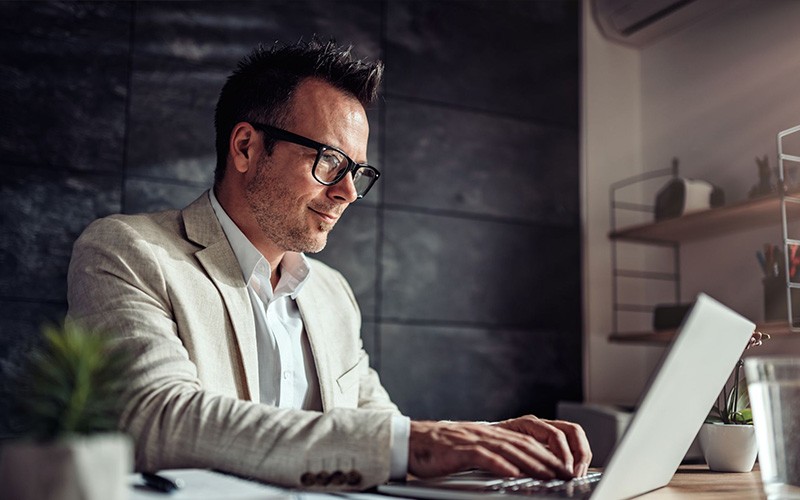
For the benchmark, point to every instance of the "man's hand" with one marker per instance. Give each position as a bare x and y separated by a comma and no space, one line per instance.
566,440
511,448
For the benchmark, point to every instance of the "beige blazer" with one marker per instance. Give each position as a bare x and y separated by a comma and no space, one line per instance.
168,287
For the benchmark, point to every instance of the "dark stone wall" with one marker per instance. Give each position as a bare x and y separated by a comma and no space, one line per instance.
465,257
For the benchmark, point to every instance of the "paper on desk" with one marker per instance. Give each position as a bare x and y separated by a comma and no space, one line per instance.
201,484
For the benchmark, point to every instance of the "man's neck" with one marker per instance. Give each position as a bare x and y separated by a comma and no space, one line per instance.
273,256
275,275
239,214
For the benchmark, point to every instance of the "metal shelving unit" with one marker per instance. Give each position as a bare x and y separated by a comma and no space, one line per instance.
789,205
639,234
754,213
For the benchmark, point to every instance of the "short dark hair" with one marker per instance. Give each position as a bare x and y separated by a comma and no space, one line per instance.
262,85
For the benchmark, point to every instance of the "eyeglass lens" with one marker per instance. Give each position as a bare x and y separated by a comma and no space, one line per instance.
330,165
363,179
330,168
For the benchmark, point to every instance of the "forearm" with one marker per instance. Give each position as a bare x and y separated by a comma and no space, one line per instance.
176,429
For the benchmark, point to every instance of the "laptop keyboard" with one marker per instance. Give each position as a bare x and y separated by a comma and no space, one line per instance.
578,487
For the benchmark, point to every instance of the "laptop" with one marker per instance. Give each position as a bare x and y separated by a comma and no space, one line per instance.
679,396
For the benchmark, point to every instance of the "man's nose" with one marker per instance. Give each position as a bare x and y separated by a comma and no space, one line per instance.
344,191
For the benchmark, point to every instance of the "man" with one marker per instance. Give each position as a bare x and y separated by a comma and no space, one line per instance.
248,353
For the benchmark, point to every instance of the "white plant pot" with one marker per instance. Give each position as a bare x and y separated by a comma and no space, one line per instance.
729,447
74,468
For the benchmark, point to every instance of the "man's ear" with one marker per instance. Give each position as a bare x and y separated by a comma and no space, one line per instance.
241,145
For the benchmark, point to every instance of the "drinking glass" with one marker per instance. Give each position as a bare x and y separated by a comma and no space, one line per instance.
774,386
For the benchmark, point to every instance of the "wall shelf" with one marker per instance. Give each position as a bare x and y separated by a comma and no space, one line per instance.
750,214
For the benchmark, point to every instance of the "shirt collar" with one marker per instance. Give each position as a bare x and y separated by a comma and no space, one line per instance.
295,268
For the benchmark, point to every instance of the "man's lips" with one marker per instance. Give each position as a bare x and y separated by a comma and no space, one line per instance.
328,217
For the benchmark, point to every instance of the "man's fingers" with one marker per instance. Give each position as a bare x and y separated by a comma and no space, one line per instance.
437,449
502,460
484,459
565,439
533,461
525,452
557,442
543,432
578,444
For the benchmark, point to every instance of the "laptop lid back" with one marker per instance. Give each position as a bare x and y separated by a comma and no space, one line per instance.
677,401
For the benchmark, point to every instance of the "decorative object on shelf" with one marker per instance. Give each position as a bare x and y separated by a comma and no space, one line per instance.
70,402
765,185
681,196
727,438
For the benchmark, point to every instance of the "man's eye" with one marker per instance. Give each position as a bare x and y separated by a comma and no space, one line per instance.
330,161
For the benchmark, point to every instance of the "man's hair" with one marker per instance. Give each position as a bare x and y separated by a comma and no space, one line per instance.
262,85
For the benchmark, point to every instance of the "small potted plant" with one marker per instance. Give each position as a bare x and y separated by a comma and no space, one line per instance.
69,400
727,438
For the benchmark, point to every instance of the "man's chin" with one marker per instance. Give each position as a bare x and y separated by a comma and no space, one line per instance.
316,249
317,244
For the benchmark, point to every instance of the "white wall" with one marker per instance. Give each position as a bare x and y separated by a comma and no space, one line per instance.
611,150
714,94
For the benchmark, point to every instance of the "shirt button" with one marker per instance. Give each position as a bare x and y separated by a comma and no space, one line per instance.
286,375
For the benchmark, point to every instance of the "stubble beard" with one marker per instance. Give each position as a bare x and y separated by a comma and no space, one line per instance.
272,206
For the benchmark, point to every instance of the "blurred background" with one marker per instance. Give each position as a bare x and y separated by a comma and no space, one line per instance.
466,256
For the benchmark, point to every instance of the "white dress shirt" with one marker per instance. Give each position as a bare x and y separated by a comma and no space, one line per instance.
287,374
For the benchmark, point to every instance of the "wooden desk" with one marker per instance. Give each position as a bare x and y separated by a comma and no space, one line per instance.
696,481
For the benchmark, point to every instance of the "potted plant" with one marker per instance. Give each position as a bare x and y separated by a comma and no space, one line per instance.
69,401
727,438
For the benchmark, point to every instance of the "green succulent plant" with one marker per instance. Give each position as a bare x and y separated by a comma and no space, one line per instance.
73,383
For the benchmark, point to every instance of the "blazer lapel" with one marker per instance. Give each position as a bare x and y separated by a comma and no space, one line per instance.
308,302
219,261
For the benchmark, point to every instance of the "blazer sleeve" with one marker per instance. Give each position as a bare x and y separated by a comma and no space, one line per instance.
117,285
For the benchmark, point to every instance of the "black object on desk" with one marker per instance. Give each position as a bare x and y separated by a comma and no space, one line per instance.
161,483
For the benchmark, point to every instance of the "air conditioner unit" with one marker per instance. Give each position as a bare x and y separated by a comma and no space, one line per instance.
639,22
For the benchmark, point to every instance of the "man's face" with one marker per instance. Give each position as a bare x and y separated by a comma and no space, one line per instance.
292,209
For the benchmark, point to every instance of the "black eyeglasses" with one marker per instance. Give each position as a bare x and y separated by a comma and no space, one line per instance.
331,164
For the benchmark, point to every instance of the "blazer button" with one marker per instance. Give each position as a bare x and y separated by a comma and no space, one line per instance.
353,477
338,478
308,479
323,478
